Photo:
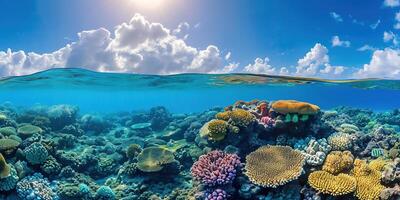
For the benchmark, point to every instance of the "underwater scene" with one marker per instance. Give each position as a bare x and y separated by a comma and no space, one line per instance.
71,134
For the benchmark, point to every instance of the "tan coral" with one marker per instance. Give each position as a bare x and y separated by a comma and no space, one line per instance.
340,141
334,185
7,146
153,159
4,167
241,118
214,130
292,106
272,166
338,161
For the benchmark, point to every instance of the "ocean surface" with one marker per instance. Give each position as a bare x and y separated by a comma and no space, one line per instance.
185,93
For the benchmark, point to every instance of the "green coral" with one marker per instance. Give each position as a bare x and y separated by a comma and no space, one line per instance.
28,130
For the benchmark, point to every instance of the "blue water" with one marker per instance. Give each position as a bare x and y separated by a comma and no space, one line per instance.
108,92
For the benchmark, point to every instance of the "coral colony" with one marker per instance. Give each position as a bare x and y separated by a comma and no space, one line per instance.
255,150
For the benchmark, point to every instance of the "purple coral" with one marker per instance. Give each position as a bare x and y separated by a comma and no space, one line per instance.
267,121
216,194
216,168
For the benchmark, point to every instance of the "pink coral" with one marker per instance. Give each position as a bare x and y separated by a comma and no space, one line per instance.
216,168
267,121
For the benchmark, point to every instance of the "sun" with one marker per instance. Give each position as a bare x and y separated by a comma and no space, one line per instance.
148,4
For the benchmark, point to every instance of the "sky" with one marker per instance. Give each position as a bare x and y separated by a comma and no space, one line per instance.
312,38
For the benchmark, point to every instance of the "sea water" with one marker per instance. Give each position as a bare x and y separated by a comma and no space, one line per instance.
78,134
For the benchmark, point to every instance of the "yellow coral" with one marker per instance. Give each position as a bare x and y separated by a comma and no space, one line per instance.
241,118
272,166
330,184
378,164
214,130
368,181
153,159
4,167
340,141
223,115
338,161
292,106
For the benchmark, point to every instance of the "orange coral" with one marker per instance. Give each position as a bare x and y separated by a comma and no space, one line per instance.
292,106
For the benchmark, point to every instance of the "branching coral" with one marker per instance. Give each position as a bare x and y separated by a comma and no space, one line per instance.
36,187
338,161
316,151
216,168
271,166
368,181
153,159
330,184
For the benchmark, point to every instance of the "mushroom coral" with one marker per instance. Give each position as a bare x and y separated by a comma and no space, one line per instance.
272,166
334,185
153,159
297,107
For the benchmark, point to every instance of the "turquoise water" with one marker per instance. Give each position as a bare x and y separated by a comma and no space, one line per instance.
108,92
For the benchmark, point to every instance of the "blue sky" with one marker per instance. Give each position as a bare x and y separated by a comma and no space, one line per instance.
283,37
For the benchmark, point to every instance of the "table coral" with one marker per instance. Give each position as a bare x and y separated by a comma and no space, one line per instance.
28,130
291,106
7,146
334,185
271,166
216,168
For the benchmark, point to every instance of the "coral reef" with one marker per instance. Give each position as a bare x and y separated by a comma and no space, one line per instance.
334,185
272,166
153,159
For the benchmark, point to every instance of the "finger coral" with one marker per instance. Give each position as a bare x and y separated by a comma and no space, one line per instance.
272,166
153,159
330,184
297,107
214,130
216,168
338,161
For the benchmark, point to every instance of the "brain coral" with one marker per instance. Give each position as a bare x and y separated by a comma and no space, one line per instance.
153,159
241,118
338,161
7,146
291,106
216,168
4,167
368,181
9,182
340,141
28,130
330,184
214,130
271,166
36,153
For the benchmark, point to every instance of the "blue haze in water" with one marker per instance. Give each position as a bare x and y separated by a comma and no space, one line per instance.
108,92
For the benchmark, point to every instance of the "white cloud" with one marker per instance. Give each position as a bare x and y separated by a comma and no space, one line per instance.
391,3
138,46
336,42
260,66
397,18
228,56
316,63
336,17
390,37
375,25
384,64
366,47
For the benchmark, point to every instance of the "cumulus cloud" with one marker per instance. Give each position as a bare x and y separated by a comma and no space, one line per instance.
397,18
138,46
260,66
336,42
336,17
316,63
391,3
384,64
